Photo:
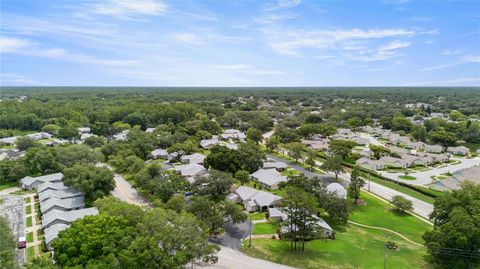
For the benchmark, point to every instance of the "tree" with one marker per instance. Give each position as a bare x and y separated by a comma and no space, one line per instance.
379,151
133,164
176,203
456,115
113,206
141,142
313,118
215,183
307,130
95,141
250,156
400,122
74,154
25,142
354,122
207,211
419,133
356,183
401,203
386,122
8,245
327,129
42,160
444,138
333,164
51,129
242,176
300,208
95,182
295,150
223,159
154,182
69,132
210,126
342,148
456,228
311,158
272,143
254,134
104,129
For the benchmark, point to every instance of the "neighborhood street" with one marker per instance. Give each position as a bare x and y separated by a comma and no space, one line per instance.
425,177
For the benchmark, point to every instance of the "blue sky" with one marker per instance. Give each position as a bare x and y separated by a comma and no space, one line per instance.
240,43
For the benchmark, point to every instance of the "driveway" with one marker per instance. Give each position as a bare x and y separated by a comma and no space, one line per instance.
12,209
425,177
234,234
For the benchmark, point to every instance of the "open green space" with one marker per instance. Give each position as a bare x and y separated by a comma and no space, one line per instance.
29,221
30,237
380,214
31,252
264,228
6,185
28,200
257,215
353,247
407,177
28,209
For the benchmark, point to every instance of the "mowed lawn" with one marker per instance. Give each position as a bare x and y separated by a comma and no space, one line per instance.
354,247
264,228
379,213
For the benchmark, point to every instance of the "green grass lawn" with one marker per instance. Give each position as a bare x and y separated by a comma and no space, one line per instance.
257,216
31,252
264,228
379,213
6,185
30,237
407,177
28,209
28,200
29,221
289,172
354,247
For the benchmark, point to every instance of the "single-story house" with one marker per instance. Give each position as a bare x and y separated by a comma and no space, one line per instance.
411,160
59,194
393,162
344,131
190,170
269,178
276,214
51,186
433,148
67,204
254,200
9,140
66,217
29,183
462,150
454,181
209,143
396,139
415,145
319,144
337,189
233,134
10,154
38,136
159,154
84,130
398,150
150,130
436,115
270,163
193,158
121,136
370,164
52,233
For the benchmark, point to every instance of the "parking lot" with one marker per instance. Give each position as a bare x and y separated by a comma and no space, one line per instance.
12,209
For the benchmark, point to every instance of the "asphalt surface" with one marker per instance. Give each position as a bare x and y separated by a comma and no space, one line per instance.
234,234
12,209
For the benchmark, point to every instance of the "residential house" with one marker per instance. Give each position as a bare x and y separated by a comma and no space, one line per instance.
67,204
344,131
52,232
393,162
271,163
66,217
254,200
209,143
320,144
11,154
437,115
276,214
38,136
51,186
437,158
59,194
150,130
462,150
233,146
269,178
29,183
190,170
9,140
396,139
232,134
159,154
84,130
370,164
433,148
338,190
197,158
415,145
121,136
454,181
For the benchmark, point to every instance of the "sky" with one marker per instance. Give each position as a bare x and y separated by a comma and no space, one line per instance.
239,43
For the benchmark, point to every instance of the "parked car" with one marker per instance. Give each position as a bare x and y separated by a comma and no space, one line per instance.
22,242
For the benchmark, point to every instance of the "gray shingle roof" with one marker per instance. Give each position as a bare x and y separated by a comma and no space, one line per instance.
66,216
52,232
269,177
51,186
59,194
57,177
66,204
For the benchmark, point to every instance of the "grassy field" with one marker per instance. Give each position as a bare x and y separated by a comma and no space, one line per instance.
28,200
6,185
29,221
354,247
378,213
30,237
264,228
31,252
257,215
28,209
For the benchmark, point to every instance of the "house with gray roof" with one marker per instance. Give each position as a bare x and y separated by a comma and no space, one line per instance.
9,140
84,130
271,163
269,178
209,143
462,150
10,154
233,134
59,194
193,158
51,186
52,233
454,181
276,214
159,153
66,217
66,204
149,130
190,170
415,145
254,200
369,164
393,162
29,183
433,149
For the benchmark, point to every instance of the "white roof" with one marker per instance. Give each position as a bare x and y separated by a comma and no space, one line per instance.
337,189
260,198
159,152
274,164
208,142
67,216
57,177
274,212
269,177
150,130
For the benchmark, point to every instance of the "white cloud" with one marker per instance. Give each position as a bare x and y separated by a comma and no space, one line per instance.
282,4
395,45
128,8
451,52
9,44
464,60
188,38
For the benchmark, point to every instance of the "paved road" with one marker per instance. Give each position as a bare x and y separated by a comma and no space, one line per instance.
425,177
234,234
12,209
233,259
124,191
